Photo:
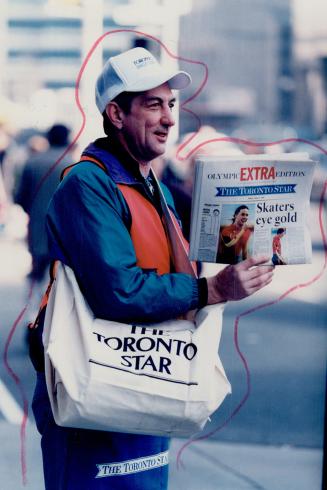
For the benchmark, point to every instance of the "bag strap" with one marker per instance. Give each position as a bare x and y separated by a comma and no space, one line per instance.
84,158
45,297
178,251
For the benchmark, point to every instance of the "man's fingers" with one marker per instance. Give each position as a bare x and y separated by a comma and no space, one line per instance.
259,281
258,271
241,280
253,280
253,261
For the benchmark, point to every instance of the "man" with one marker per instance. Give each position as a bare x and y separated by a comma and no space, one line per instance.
106,225
234,238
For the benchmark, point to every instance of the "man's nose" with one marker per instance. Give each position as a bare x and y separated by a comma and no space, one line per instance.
167,117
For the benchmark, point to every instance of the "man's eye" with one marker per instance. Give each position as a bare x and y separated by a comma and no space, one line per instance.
171,105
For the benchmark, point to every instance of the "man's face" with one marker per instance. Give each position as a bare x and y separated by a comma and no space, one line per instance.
241,217
145,128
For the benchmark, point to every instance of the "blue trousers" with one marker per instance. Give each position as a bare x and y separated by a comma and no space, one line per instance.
78,459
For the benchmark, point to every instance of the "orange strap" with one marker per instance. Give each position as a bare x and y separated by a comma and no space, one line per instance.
83,158
147,232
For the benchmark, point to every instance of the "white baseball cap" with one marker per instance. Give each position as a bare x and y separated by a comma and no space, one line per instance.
134,70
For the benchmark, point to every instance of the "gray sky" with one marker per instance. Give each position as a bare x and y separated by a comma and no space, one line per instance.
310,17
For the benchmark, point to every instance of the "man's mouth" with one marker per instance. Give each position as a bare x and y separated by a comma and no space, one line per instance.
161,135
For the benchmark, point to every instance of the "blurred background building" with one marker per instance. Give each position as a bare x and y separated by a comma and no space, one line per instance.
44,43
248,47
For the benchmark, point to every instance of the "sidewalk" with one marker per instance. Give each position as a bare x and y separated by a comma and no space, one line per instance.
208,465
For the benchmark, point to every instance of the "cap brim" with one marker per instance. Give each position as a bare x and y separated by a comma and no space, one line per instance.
180,80
176,81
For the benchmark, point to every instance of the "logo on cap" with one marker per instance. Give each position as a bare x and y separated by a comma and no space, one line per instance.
141,62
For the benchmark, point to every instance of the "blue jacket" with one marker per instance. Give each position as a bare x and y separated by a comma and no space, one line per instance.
88,229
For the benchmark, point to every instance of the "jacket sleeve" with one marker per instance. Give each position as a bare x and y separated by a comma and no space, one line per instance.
88,229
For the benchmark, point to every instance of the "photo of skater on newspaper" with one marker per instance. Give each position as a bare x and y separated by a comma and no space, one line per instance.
277,257
235,236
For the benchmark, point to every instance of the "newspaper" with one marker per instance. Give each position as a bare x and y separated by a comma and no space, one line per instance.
249,205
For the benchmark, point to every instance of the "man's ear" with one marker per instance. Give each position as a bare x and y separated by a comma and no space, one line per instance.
115,114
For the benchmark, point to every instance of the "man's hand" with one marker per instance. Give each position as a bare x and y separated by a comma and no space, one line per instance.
240,280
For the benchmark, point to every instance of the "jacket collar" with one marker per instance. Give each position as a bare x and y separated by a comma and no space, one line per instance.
120,166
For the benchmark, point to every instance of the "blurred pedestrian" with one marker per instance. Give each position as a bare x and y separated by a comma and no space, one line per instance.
4,201
4,142
39,179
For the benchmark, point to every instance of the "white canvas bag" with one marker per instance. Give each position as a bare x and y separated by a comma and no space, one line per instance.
162,380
